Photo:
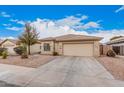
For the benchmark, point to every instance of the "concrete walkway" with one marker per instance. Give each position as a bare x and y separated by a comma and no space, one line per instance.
61,72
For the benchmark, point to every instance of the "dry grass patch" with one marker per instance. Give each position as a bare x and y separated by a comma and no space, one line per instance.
114,65
33,61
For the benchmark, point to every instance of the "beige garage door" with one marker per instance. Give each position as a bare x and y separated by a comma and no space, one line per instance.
78,49
10,50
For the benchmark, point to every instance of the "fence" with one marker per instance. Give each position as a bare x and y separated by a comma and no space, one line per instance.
104,49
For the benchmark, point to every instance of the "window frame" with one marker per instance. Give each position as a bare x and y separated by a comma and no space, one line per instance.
47,47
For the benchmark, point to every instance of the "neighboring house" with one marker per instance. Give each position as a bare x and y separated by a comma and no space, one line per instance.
117,45
71,45
11,44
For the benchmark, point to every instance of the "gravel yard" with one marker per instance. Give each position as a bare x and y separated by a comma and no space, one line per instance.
114,65
33,61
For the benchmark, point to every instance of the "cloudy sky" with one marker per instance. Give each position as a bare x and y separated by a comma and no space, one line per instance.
103,21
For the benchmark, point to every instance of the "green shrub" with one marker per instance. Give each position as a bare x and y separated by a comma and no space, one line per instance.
111,53
2,50
55,54
4,54
19,50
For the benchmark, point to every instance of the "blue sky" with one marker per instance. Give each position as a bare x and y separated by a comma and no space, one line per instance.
91,20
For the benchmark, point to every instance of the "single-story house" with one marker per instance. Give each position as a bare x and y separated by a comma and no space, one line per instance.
10,44
117,45
71,45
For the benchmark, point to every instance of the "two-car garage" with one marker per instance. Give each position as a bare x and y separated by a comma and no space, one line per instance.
78,49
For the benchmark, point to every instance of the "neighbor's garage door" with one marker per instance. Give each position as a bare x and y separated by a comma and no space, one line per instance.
10,50
78,49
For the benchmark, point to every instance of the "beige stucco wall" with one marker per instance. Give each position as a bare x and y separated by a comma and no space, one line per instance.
59,46
35,48
96,48
51,47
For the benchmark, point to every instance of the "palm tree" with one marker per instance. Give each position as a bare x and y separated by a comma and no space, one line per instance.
29,36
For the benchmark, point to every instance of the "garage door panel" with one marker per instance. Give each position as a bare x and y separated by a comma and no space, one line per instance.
78,49
10,50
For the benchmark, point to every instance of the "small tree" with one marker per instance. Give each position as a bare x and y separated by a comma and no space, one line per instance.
2,50
29,37
4,54
24,53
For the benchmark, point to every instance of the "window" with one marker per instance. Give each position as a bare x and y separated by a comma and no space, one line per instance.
40,47
46,47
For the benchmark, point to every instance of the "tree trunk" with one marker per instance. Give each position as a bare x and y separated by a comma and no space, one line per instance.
29,50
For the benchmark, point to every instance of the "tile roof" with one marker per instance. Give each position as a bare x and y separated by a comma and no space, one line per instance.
1,41
15,41
71,37
118,40
48,39
11,40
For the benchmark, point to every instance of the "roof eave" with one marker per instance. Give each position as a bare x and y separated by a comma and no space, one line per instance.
81,40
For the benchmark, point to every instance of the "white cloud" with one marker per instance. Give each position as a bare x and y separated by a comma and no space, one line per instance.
4,14
91,25
71,20
120,9
107,34
18,21
9,37
6,25
21,22
84,17
14,28
77,22
13,20
51,29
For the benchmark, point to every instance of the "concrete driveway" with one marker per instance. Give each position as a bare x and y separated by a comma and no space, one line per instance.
65,72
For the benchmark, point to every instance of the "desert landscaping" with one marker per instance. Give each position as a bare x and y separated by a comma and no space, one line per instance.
114,65
33,61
